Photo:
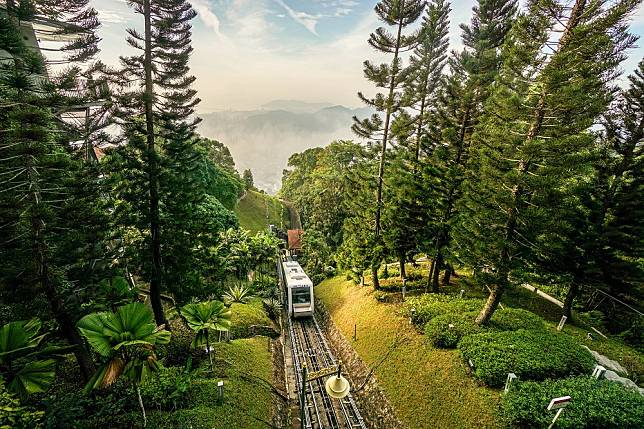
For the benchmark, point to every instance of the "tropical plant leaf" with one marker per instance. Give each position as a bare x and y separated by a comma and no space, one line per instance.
34,377
113,371
93,328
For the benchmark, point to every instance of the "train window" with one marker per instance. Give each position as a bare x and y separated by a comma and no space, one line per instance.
301,296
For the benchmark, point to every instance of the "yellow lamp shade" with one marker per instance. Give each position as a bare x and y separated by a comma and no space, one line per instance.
337,387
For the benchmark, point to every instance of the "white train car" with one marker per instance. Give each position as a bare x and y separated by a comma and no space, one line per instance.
299,290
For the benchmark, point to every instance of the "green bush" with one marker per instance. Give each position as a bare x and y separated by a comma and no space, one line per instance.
115,406
14,415
442,335
530,354
512,319
446,330
244,316
168,389
424,308
595,404
179,349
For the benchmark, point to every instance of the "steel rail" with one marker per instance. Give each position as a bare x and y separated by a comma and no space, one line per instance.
314,355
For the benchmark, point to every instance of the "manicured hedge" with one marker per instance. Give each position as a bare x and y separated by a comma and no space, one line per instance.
442,335
429,306
512,319
530,354
595,404
446,330
245,316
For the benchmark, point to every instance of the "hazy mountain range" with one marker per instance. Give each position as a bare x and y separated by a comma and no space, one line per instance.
264,139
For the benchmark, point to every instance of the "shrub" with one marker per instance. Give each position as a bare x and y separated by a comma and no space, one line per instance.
512,319
446,330
530,354
595,404
168,389
13,415
429,306
179,349
246,315
115,406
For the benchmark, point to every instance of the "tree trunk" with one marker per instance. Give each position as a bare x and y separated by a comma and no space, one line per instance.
212,367
448,274
374,275
138,395
403,272
153,175
570,297
68,328
430,274
491,304
383,150
435,274
65,322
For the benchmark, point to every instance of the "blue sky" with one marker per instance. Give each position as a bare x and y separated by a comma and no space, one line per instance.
249,52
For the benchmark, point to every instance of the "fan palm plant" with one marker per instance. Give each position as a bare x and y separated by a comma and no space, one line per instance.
23,374
202,317
125,340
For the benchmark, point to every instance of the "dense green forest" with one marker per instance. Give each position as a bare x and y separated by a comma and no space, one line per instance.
518,158
137,269
118,231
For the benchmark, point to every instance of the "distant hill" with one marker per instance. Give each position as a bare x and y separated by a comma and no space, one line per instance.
264,139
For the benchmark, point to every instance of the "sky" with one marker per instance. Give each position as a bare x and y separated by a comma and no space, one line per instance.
250,52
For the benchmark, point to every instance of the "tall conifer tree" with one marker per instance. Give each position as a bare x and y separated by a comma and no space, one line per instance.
161,109
37,164
595,237
462,99
547,96
397,14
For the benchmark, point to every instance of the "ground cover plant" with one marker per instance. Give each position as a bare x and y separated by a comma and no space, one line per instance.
530,354
595,404
424,308
415,377
446,330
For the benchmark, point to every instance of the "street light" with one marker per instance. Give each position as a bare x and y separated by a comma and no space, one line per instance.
336,387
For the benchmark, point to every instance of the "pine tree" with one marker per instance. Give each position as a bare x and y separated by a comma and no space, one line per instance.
398,14
38,165
547,96
595,239
461,102
427,63
162,108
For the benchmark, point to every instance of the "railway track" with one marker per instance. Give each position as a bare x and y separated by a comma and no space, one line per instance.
321,411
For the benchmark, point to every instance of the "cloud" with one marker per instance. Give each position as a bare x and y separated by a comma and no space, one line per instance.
207,15
307,20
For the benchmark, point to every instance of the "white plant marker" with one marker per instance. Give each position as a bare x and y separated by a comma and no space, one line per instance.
558,404
220,391
598,371
562,322
511,376
461,294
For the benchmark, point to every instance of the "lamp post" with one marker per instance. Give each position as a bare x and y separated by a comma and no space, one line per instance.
336,387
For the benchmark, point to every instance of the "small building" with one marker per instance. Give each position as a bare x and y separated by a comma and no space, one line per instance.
295,239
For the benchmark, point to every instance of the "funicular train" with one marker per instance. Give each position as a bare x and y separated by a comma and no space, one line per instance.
298,288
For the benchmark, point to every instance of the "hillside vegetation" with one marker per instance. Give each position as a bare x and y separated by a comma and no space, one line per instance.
256,211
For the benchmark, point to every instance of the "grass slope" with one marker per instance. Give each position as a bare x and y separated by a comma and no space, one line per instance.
252,208
242,364
428,387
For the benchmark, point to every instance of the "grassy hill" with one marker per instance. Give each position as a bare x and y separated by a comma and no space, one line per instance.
257,210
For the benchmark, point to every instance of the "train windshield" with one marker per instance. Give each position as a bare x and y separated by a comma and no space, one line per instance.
301,295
